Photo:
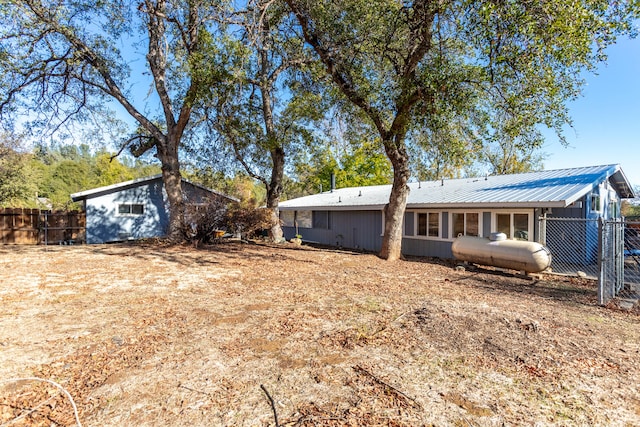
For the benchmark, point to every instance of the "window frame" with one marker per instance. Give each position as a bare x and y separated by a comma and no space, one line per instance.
130,212
530,222
464,213
416,226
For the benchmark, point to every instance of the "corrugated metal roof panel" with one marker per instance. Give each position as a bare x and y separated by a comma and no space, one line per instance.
551,188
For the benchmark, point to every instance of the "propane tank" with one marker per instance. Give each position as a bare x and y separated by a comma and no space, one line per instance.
530,257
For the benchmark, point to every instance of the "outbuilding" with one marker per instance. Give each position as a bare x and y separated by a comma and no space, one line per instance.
135,209
439,211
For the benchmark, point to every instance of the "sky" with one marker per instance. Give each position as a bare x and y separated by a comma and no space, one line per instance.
606,119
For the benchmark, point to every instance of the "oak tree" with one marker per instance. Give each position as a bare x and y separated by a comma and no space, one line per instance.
410,63
61,61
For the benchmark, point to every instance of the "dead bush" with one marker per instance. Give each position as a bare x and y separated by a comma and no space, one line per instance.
248,221
206,223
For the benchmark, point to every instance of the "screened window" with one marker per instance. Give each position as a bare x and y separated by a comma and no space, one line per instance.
465,224
304,219
288,218
130,209
321,220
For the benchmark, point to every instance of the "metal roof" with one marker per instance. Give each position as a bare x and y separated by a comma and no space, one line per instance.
95,192
550,188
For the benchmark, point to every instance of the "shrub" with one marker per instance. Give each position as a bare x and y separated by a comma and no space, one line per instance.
203,223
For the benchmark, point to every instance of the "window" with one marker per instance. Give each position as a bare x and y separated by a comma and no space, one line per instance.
434,224
514,225
429,224
504,224
465,224
304,219
422,224
321,220
595,201
521,226
130,209
288,218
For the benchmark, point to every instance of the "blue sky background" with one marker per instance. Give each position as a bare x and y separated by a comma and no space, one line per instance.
606,119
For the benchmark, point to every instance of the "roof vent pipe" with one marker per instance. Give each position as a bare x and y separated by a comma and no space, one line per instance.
419,184
442,182
333,181
360,193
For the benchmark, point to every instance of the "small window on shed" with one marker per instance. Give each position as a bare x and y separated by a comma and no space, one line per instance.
130,209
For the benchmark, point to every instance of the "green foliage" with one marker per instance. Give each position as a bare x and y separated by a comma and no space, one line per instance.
355,166
55,173
17,177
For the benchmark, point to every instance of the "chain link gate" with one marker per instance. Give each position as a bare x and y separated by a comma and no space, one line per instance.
606,251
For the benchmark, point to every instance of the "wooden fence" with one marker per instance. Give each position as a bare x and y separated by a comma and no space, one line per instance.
36,227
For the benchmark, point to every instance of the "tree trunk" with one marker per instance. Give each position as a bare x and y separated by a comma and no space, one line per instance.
394,210
274,190
173,186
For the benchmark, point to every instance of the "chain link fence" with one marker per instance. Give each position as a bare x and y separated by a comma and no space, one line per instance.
606,251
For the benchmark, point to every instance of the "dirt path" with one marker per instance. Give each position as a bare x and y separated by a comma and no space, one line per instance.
149,336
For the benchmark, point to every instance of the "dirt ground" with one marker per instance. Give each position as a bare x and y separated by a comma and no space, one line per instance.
252,335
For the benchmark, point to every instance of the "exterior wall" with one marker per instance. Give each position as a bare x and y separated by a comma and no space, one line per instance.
427,248
348,229
104,224
363,229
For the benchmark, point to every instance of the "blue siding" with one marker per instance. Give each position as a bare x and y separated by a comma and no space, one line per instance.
486,224
409,229
348,229
104,224
427,248
445,225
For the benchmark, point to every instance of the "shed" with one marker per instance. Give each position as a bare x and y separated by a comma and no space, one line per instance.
134,209
438,211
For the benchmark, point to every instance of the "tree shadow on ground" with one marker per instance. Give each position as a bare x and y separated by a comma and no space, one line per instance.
562,288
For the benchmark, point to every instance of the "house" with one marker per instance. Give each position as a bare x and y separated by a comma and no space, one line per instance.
439,211
134,209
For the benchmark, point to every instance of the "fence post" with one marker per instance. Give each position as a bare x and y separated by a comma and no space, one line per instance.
601,263
543,230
